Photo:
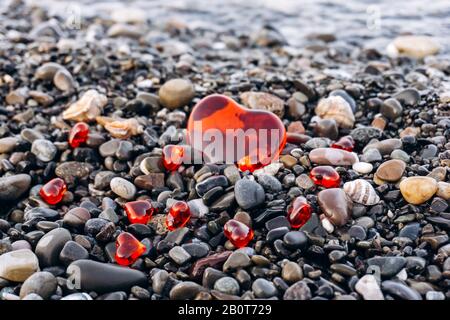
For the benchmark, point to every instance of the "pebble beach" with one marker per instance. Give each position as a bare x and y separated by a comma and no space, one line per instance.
95,104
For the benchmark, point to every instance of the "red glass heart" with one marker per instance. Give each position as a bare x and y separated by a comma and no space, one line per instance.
128,249
238,233
345,143
179,214
53,191
325,176
299,212
227,132
78,134
139,211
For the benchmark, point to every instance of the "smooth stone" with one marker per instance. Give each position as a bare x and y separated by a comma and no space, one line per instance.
248,194
400,290
435,295
336,205
391,109
179,255
408,96
414,46
151,165
186,290
72,170
76,217
400,155
389,266
368,287
337,108
361,191
332,156
371,155
13,187
443,190
327,128
438,173
105,277
264,289
270,183
227,285
232,174
176,93
8,144
196,250
298,291
123,188
429,152
215,181
41,283
110,215
109,148
198,208
263,101
103,179
417,190
391,170
295,240
362,167
236,260
18,265
41,213
44,150
50,245
291,272
385,146
71,252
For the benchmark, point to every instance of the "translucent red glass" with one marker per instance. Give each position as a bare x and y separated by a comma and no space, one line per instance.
173,157
128,249
139,211
179,214
299,212
53,191
345,143
78,134
257,134
238,233
325,176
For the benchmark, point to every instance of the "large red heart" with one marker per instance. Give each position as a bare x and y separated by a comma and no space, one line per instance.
128,249
230,133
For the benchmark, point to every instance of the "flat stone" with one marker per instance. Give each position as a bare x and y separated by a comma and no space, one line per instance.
13,187
44,150
248,194
332,156
385,146
400,290
72,170
123,188
179,255
236,260
263,101
298,291
185,290
263,288
413,46
391,170
176,93
389,266
18,265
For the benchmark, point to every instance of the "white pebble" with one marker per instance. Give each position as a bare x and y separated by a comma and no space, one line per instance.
362,167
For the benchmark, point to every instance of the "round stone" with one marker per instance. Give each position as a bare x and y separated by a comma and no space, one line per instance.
291,272
41,283
248,194
362,167
417,190
18,265
123,188
76,217
227,285
263,288
295,239
44,150
176,93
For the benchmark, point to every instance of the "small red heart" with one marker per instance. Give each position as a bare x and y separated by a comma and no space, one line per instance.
179,214
128,249
238,233
139,211
264,133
